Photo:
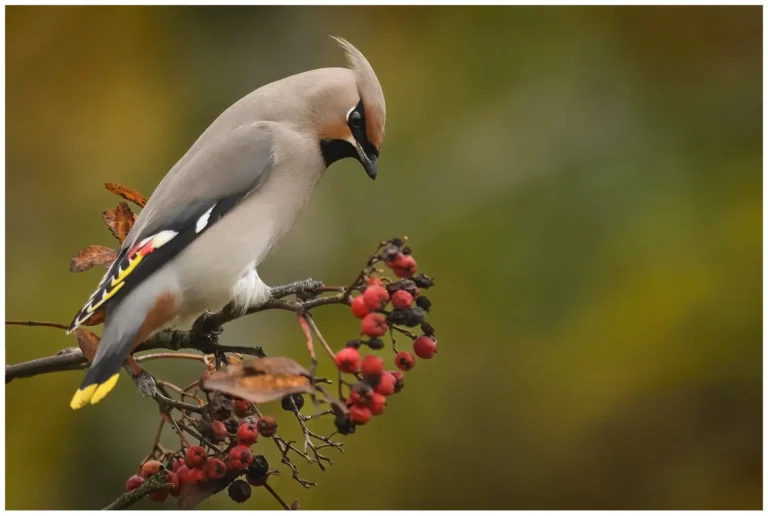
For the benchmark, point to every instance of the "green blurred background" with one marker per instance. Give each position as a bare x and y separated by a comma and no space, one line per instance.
585,184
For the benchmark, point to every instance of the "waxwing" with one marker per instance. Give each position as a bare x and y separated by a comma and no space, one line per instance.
227,203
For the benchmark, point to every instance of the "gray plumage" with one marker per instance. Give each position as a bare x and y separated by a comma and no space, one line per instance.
228,203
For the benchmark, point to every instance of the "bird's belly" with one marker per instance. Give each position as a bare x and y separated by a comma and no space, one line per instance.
211,266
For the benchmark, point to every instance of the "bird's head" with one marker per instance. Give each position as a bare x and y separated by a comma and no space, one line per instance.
355,128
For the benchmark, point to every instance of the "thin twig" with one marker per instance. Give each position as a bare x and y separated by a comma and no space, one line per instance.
277,497
37,323
285,447
154,483
319,335
157,356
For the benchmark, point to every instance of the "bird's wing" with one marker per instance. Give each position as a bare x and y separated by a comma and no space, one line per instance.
201,189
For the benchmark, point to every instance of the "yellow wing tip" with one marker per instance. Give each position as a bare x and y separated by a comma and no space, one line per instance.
93,393
82,397
104,389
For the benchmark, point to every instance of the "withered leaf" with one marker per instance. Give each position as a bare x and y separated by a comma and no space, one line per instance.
260,380
129,194
88,342
92,255
119,220
191,495
97,317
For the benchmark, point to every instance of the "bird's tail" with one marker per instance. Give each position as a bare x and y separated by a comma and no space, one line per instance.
104,372
99,380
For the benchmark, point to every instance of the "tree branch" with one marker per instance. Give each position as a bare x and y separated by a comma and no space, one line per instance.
152,484
202,337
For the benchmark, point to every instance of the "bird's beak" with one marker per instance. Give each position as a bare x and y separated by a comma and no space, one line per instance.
370,163
371,167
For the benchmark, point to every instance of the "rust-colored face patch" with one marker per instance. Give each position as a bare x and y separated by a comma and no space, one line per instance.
336,131
374,128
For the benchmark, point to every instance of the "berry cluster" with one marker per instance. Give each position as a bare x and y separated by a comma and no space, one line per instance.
367,396
231,422
227,427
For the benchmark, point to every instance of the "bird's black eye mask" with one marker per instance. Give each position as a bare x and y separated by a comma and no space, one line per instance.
334,150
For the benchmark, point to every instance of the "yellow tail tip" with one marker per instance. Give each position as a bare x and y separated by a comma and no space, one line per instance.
104,389
93,393
82,397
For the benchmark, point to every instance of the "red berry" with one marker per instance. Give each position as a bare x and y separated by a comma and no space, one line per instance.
182,476
242,408
425,347
359,415
359,309
405,267
376,297
196,476
150,467
134,482
354,399
219,430
404,361
392,263
196,457
374,325
375,282
399,380
173,478
160,495
241,457
177,463
386,385
377,402
267,426
215,468
247,434
372,366
348,360
402,299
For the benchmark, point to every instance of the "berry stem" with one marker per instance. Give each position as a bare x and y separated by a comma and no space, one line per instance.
314,327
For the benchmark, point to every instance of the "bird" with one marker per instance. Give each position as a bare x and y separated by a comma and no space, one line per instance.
227,204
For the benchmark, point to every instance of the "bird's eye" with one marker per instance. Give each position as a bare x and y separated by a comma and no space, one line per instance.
355,120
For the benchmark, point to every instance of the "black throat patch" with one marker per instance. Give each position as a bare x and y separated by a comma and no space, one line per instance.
334,150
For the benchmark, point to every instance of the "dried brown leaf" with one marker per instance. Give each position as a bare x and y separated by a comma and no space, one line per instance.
88,342
260,380
92,255
97,317
191,495
129,194
119,220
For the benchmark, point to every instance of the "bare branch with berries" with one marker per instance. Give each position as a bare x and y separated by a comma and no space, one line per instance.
218,418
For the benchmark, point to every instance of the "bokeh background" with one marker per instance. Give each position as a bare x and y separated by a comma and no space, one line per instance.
585,184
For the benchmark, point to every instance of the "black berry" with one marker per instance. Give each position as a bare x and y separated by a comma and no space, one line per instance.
415,317
375,343
239,491
258,468
424,303
421,280
298,400
344,425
